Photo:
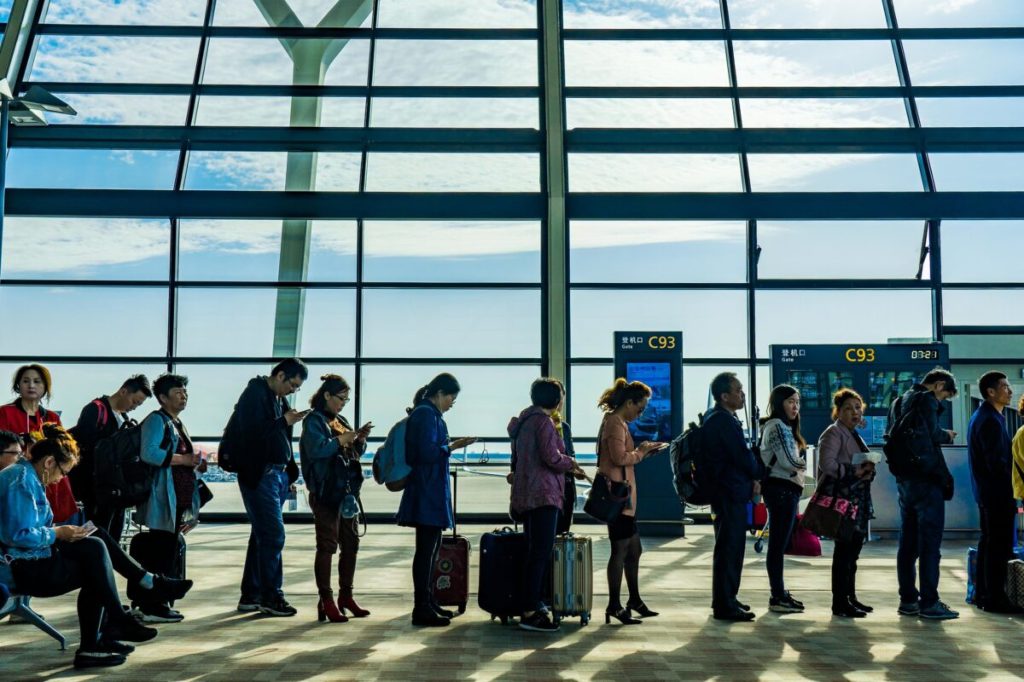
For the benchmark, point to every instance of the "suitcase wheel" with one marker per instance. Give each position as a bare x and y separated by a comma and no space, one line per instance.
584,619
758,546
504,620
462,608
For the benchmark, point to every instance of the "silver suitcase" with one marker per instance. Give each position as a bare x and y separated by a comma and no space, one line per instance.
572,578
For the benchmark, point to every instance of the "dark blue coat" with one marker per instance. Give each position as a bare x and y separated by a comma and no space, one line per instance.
427,498
989,451
734,468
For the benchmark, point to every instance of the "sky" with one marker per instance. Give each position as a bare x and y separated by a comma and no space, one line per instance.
476,323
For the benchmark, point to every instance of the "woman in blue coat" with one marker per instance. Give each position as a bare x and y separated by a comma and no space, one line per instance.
426,499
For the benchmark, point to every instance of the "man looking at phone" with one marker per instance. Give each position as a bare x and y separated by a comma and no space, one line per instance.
266,470
736,473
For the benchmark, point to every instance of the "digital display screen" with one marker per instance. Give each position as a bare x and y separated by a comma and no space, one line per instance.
656,421
873,431
884,387
806,381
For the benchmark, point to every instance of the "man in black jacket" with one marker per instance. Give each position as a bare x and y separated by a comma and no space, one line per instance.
991,457
736,473
924,488
100,419
266,470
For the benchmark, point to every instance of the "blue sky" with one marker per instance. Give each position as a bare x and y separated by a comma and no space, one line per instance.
505,324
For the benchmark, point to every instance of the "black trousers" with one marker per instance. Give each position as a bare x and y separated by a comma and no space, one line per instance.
89,565
995,549
783,500
730,546
428,542
844,569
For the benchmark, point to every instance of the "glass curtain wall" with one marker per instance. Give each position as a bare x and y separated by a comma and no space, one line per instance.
362,183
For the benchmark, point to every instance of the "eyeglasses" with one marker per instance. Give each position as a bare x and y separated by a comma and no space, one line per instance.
60,468
12,452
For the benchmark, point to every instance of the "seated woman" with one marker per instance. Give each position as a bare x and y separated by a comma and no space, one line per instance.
46,561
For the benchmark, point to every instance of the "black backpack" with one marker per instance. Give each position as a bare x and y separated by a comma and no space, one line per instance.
689,465
122,478
231,444
907,440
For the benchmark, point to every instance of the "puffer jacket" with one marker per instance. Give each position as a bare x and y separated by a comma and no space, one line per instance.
540,461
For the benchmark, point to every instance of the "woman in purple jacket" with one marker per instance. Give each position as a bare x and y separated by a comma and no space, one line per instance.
538,490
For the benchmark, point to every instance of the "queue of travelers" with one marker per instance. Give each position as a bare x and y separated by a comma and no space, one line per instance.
43,553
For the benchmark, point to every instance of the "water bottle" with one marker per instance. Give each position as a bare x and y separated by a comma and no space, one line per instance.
350,507
293,500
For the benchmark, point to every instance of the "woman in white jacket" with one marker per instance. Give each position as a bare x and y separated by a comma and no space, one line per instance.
783,450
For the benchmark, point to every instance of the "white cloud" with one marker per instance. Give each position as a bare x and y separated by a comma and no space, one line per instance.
80,245
147,12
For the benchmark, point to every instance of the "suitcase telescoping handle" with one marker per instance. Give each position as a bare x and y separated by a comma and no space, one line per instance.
455,501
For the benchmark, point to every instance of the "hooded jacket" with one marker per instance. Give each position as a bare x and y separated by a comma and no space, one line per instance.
540,461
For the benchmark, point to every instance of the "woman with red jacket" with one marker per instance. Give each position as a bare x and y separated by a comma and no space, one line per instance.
27,415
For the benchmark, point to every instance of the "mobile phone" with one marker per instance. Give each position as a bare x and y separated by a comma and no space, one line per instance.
89,527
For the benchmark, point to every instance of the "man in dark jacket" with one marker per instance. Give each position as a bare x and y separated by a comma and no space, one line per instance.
989,451
266,470
735,472
101,419
924,488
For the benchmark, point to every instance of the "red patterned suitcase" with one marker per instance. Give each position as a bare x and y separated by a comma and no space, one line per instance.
450,582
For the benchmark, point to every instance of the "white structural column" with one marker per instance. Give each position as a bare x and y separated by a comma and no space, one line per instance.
557,233
311,58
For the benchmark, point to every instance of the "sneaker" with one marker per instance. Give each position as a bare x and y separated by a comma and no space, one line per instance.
170,589
785,604
909,608
115,646
277,607
90,658
129,629
538,621
246,605
938,611
157,613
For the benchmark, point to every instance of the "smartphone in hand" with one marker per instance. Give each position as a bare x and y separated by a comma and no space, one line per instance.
89,527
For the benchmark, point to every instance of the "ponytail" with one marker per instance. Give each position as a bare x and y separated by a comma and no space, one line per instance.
622,391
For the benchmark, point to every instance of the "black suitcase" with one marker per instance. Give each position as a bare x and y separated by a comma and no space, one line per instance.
150,556
502,560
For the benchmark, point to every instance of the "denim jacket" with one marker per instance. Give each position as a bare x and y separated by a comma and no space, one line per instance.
26,520
159,441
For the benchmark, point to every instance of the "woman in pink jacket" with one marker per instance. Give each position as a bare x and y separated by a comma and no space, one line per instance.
539,465
616,456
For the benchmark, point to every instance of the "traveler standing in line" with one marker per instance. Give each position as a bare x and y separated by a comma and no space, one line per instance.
616,458
330,451
427,499
924,488
783,452
990,452
538,492
47,561
174,498
838,448
101,419
736,473
266,471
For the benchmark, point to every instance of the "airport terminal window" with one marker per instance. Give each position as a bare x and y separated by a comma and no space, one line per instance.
988,241
928,14
476,112
152,13
650,63
91,168
114,59
823,113
963,62
466,172
810,62
590,172
806,14
458,14
264,61
309,13
978,172
267,171
983,307
134,110
625,14
214,110
834,173
455,62
585,112
937,112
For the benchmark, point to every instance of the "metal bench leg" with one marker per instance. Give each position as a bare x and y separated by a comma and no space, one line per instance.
23,609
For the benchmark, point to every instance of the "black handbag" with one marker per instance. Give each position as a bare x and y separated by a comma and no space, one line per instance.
205,494
607,498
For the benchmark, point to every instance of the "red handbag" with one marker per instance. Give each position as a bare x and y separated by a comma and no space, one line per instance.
803,542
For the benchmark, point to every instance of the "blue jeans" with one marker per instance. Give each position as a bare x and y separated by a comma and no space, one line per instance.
540,525
263,575
923,518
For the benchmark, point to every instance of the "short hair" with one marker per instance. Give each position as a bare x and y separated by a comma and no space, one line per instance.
165,382
722,384
989,380
8,438
333,384
292,367
621,392
546,393
840,397
138,383
944,375
43,373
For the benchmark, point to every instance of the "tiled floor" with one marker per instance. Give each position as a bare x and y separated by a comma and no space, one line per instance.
216,643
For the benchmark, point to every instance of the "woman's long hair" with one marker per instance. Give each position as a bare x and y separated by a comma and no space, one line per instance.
776,410
622,391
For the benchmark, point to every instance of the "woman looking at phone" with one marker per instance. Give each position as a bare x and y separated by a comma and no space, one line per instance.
330,451
616,457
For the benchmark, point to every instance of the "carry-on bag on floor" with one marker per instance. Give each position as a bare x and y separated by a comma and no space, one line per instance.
450,581
502,562
149,554
572,572
1015,582
972,570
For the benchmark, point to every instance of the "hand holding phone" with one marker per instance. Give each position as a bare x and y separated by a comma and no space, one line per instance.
89,527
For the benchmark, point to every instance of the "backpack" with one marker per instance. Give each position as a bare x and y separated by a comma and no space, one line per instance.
102,417
689,469
389,465
905,440
230,443
122,478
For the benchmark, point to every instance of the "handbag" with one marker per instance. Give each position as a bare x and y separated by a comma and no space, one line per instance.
607,498
829,515
205,494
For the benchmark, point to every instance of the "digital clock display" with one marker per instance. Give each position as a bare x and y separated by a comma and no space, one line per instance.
924,354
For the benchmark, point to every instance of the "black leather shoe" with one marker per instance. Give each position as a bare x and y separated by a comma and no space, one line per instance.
642,610
734,616
426,618
742,606
444,613
621,615
847,611
863,607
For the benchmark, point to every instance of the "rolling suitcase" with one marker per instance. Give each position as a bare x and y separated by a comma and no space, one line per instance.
572,573
502,561
1015,582
450,580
